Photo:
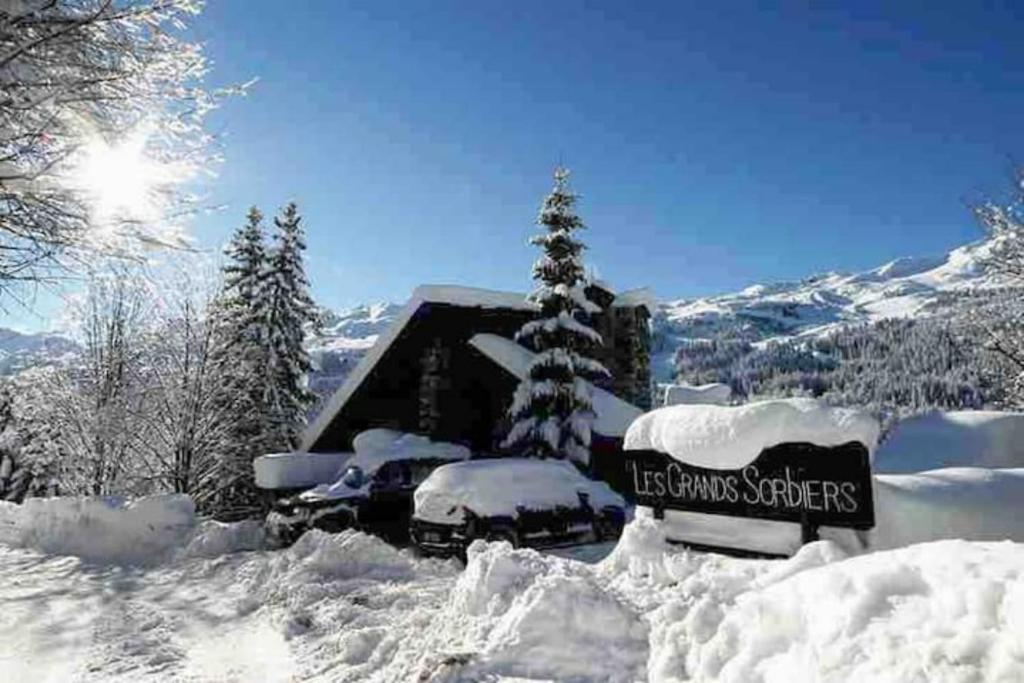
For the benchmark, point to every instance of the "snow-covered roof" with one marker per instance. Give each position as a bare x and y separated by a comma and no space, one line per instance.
377,447
498,486
613,414
731,437
297,469
643,296
453,295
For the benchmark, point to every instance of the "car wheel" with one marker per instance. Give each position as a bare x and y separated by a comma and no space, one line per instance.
496,535
607,529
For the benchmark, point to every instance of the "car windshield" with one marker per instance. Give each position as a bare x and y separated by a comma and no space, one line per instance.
353,477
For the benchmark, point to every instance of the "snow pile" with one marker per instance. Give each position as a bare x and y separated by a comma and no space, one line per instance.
100,530
347,555
686,394
953,439
213,539
519,614
722,437
147,531
298,469
500,486
950,611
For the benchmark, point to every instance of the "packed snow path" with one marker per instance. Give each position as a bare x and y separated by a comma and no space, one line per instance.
331,608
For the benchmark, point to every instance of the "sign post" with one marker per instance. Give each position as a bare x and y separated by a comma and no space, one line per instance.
791,482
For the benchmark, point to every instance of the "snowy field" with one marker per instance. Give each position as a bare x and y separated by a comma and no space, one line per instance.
348,607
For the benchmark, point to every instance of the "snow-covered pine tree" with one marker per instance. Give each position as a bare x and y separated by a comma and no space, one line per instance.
290,311
552,411
240,357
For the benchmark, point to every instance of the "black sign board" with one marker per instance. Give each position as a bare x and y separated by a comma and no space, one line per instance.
792,482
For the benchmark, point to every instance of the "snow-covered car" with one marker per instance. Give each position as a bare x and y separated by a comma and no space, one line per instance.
374,491
526,502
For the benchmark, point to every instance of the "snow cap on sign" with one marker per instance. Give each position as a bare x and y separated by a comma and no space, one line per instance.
731,437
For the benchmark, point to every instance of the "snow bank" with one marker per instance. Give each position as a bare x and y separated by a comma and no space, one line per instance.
519,614
497,487
142,532
722,437
704,394
953,439
613,415
213,539
298,469
949,611
966,503
100,530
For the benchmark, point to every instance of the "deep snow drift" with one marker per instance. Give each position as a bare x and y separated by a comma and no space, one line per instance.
348,607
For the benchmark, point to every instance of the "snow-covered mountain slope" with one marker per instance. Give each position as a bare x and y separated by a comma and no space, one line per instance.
342,339
904,288
19,351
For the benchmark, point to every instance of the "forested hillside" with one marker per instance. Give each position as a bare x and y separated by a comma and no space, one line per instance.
893,366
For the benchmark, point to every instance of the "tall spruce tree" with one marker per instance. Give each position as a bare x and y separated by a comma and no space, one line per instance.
241,360
552,411
290,310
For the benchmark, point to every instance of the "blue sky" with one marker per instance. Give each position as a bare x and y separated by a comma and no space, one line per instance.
714,144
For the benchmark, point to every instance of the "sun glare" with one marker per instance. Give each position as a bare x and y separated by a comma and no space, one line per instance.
122,183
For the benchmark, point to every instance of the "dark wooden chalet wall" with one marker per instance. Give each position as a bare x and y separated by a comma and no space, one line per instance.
473,399
625,349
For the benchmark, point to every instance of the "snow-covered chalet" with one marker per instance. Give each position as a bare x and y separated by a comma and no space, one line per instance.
448,365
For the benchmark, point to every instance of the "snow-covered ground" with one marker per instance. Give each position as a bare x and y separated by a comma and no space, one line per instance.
348,607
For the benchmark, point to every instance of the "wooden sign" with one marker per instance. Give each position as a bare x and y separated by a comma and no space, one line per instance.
792,482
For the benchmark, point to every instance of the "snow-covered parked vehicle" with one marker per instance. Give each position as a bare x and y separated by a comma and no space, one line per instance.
526,502
374,491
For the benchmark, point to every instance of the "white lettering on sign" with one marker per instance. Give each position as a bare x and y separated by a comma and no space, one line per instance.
781,492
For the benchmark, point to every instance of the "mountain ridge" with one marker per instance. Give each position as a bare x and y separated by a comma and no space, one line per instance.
906,287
